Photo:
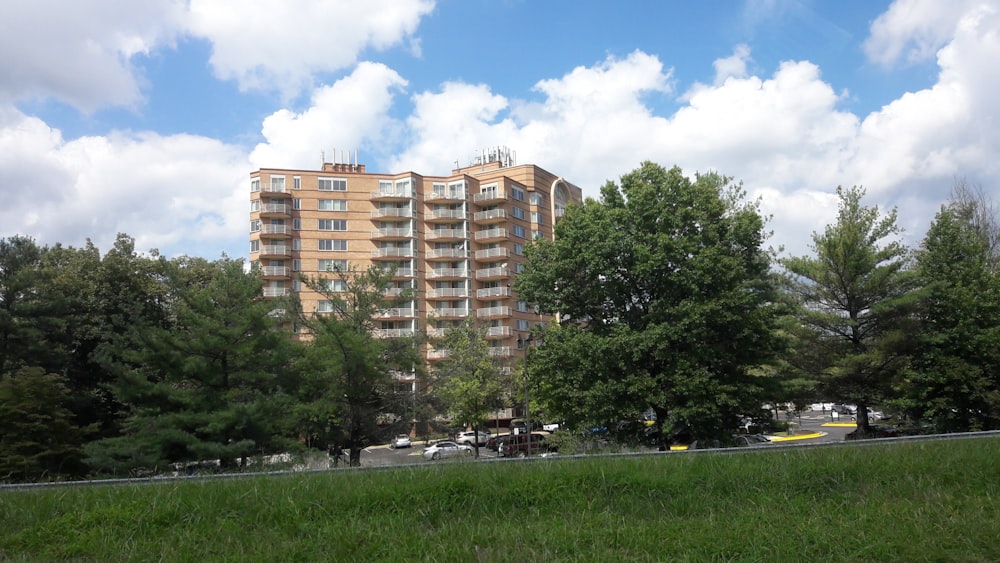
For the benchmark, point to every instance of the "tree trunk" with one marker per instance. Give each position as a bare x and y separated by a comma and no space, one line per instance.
861,416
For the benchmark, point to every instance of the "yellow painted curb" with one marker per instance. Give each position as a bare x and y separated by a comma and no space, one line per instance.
841,424
678,448
799,437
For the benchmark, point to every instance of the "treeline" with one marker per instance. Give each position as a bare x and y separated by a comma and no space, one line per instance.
130,364
123,363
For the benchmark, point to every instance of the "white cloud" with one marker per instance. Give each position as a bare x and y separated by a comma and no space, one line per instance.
915,29
278,45
80,52
351,114
169,192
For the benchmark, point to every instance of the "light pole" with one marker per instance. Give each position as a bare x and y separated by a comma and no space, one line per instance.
526,344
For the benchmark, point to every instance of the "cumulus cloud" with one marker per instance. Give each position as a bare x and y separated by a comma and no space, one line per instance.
169,192
278,45
914,30
81,52
350,114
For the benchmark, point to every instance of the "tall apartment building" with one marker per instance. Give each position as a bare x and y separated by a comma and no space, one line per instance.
457,241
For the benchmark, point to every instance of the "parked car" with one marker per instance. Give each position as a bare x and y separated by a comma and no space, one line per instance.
494,442
446,448
469,438
550,427
519,446
400,441
750,440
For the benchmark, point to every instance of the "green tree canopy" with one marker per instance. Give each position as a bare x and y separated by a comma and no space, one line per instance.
667,299
851,295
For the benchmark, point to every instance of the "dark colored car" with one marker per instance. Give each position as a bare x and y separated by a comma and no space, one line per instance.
494,442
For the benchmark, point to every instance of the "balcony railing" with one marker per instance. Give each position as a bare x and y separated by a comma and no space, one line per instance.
392,233
397,312
490,215
491,234
396,252
401,272
275,291
501,351
460,312
499,331
395,291
276,271
488,292
452,214
392,194
439,196
447,253
488,312
438,234
272,250
488,273
281,208
393,332
448,292
490,195
447,273
492,253
402,212
276,229
437,354
273,189
436,332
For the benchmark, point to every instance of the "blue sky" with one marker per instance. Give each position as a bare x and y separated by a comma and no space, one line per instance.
146,118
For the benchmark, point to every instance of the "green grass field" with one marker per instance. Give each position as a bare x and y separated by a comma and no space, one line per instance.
916,501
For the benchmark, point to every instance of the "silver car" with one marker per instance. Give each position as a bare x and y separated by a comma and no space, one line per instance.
446,448
400,441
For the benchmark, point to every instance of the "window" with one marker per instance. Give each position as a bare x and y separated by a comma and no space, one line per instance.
296,203
296,265
537,218
333,244
332,184
338,286
517,193
296,182
333,224
255,185
296,286
385,186
517,212
523,325
255,226
518,268
518,231
296,224
254,205
277,183
522,306
255,246
324,306
535,235
296,244
332,265
536,198
332,205
519,249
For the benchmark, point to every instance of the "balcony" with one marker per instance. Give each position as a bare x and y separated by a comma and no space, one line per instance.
447,273
436,332
488,253
491,235
446,234
392,195
490,196
445,196
501,351
393,212
393,332
492,273
276,271
397,313
499,332
275,291
274,209
448,293
490,216
279,231
401,273
393,292
273,250
392,253
447,254
437,354
392,233
445,215
449,313
492,292
492,312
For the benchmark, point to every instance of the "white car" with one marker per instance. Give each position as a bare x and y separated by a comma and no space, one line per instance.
469,438
446,448
551,427
400,441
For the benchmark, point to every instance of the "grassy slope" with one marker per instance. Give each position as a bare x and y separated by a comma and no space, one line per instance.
910,502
